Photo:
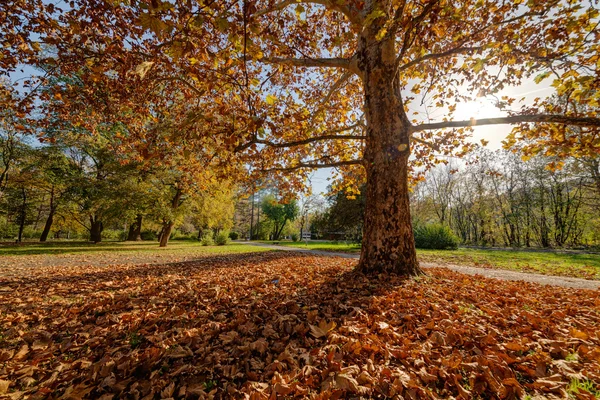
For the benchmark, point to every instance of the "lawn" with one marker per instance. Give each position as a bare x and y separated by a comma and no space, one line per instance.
571,264
67,253
283,325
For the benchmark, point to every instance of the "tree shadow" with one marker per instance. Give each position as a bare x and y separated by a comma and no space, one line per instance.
196,306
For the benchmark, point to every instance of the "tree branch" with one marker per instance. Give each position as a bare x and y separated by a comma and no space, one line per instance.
330,136
451,52
513,119
327,3
426,143
315,165
310,62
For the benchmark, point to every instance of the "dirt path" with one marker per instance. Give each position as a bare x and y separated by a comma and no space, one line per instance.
487,272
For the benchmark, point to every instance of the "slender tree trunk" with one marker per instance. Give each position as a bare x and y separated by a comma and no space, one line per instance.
23,215
388,243
96,230
50,218
135,229
48,225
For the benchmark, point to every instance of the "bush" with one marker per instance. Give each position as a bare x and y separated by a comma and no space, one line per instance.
30,233
234,235
294,237
148,235
183,235
435,236
112,234
222,238
207,239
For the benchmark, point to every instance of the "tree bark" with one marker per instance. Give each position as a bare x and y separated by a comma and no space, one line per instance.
168,225
96,230
50,218
166,233
388,244
23,215
48,225
135,230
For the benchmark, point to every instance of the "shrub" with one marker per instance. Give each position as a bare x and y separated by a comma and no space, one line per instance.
112,234
234,235
222,238
294,237
207,239
148,235
182,235
435,236
30,233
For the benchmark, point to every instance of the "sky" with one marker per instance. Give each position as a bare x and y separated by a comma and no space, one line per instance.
482,108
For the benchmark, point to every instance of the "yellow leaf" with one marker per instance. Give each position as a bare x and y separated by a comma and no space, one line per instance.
143,68
271,99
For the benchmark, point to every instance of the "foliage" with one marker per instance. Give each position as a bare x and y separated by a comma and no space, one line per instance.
218,85
279,213
207,239
344,217
221,238
233,235
499,199
294,237
435,236
326,323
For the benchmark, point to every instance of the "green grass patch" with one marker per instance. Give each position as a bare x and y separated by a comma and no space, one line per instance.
580,265
341,246
175,247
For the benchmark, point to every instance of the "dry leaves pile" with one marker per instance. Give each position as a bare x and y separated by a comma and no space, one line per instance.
275,325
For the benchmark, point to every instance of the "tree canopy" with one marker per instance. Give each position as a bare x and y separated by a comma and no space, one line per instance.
289,86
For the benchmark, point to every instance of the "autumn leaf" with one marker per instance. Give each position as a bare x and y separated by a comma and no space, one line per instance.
322,329
143,68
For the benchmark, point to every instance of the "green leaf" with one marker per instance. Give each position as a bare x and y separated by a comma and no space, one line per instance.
542,76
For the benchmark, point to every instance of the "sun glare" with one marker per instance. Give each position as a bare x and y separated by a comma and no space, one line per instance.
480,108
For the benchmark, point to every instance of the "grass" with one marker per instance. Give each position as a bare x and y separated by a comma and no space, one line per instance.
550,263
544,262
175,247
346,247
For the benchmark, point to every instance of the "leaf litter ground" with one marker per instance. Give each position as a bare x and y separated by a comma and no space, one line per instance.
284,325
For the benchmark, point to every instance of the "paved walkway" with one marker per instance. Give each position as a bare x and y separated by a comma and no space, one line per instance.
487,272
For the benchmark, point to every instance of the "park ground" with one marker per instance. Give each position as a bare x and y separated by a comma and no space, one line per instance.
577,264
130,320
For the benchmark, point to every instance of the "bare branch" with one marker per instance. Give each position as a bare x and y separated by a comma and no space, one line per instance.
336,86
426,143
514,119
451,52
310,140
331,135
310,62
315,165
352,17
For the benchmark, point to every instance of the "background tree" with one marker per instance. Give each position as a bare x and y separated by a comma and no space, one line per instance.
279,213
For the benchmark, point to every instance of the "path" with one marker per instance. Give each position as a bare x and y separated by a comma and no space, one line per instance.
487,272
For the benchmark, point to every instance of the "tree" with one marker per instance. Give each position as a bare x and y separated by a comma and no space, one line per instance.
279,213
294,85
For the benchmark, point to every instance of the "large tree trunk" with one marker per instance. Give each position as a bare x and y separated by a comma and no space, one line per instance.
388,244
166,233
96,230
135,230
168,225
